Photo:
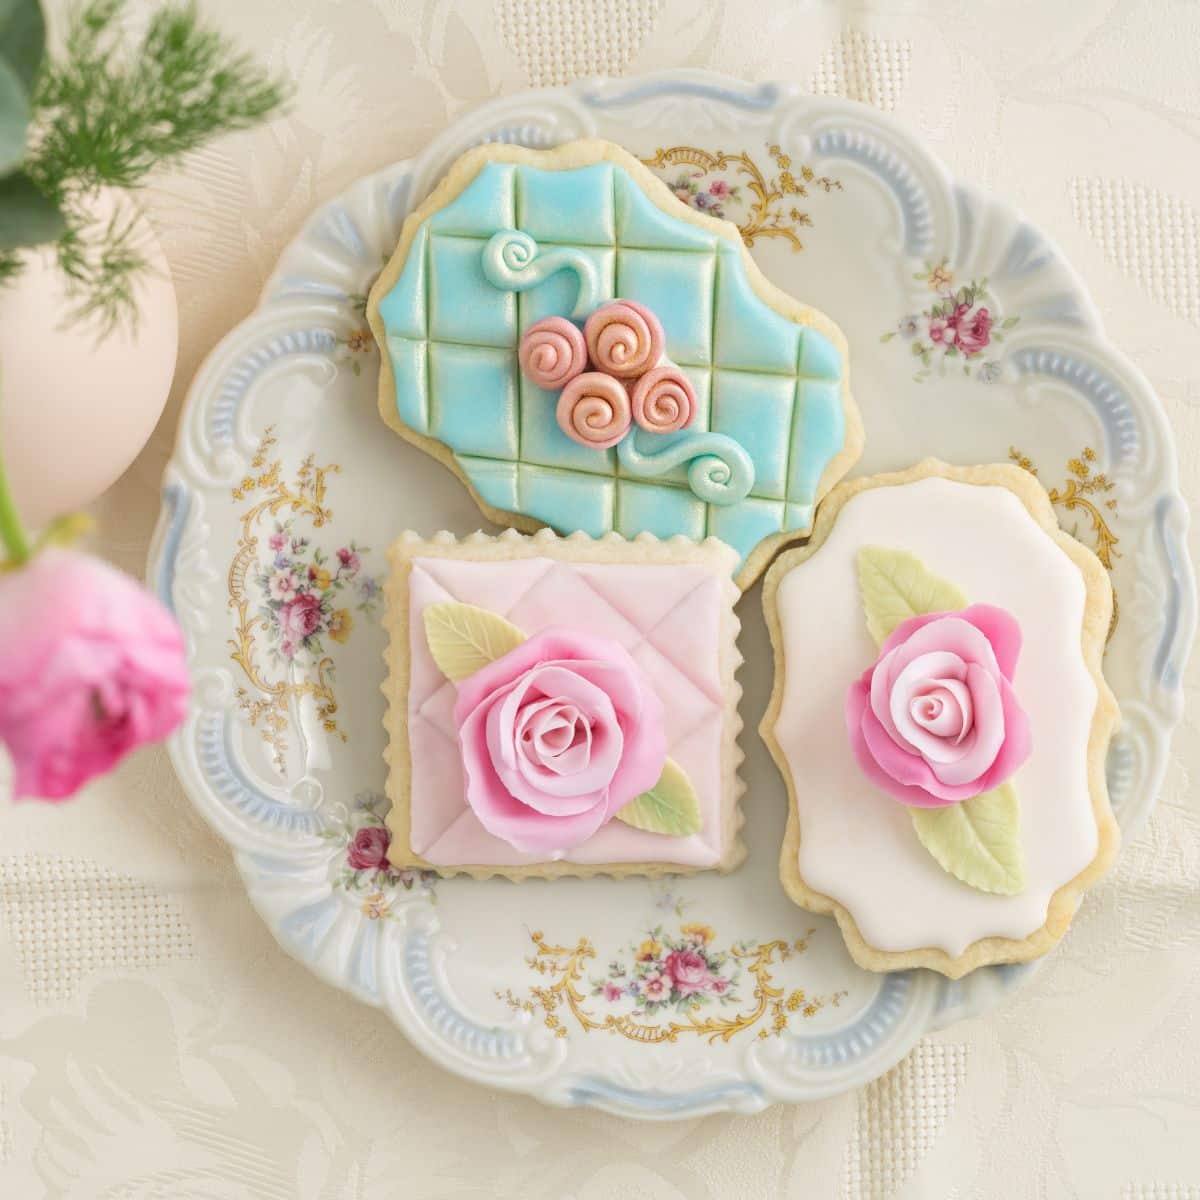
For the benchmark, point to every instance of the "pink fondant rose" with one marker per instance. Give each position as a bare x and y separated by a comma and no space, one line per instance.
368,848
935,720
556,736
688,972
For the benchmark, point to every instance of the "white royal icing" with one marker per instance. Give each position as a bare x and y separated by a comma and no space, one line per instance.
857,844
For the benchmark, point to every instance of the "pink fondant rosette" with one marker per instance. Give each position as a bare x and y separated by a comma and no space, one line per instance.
556,737
594,410
552,353
935,721
663,400
624,339
609,375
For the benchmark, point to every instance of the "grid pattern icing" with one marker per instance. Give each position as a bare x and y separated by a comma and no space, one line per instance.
771,384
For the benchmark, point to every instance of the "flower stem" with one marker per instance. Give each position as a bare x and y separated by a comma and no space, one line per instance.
12,532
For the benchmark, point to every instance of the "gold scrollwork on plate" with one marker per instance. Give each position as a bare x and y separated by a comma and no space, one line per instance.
722,184
288,602
1086,493
670,985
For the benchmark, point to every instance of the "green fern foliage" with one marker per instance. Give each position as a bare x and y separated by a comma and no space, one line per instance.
107,111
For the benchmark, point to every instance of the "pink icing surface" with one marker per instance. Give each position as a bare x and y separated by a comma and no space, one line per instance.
669,620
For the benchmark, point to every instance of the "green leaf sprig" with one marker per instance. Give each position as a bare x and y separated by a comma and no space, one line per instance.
106,112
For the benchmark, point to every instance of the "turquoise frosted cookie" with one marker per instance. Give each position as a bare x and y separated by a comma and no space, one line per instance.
587,352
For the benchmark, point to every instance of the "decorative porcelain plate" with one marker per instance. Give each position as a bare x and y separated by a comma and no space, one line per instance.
283,461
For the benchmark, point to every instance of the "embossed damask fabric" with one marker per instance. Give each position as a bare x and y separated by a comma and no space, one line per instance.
153,1039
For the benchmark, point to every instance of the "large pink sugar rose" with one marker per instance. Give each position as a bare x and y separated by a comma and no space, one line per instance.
556,736
91,666
935,720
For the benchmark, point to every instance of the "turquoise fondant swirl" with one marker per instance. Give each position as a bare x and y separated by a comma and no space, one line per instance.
512,262
721,471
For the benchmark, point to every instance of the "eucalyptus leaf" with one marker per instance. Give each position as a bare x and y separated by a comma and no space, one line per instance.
22,43
27,218
22,39
14,118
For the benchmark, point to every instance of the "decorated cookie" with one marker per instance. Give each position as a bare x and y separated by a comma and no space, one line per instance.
562,706
585,351
940,718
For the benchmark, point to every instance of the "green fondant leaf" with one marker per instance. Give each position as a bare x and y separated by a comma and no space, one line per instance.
977,841
897,585
669,807
463,639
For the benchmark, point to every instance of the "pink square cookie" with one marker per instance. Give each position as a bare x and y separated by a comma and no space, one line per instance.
562,706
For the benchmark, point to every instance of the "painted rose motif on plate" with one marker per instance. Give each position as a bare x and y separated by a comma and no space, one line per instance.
306,595
961,328
673,972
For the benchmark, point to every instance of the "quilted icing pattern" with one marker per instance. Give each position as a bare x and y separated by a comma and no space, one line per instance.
669,618
769,383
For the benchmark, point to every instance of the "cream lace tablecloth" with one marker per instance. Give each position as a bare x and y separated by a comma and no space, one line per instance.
154,1042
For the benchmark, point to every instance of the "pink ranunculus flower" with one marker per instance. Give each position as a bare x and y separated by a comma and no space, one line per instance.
613,992
935,720
719,187
91,667
688,972
556,736
277,540
300,617
368,848
349,558
973,328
